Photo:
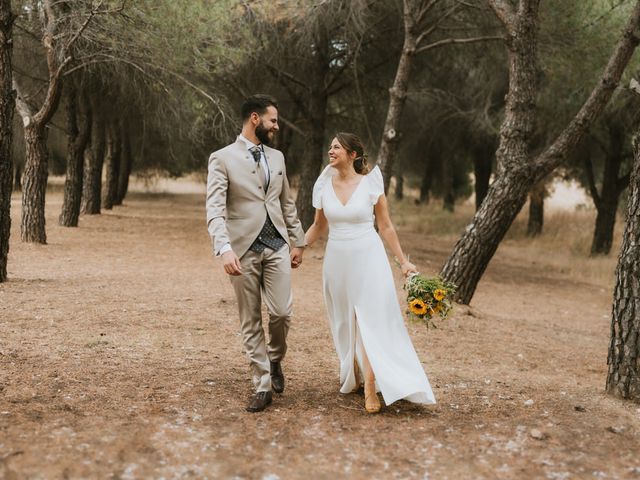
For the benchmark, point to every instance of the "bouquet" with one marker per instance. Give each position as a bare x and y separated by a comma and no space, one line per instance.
427,297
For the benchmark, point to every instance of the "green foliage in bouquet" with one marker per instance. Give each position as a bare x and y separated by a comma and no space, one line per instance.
427,297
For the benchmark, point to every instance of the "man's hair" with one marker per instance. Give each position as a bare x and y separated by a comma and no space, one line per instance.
257,103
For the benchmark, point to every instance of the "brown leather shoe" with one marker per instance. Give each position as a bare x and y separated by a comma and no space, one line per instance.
277,377
259,401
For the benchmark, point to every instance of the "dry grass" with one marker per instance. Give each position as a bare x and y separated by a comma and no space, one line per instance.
563,247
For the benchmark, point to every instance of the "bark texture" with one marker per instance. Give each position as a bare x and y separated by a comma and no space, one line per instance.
7,105
507,195
536,210
126,164
312,160
78,131
482,162
623,378
399,192
448,194
427,179
607,199
315,110
398,94
34,184
94,160
113,159
34,179
17,181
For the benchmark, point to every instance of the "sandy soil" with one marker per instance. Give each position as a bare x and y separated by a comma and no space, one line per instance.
120,357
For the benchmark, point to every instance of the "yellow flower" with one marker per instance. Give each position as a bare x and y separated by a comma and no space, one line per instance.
437,308
439,294
417,307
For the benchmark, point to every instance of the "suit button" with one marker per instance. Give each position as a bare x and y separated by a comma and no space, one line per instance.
253,171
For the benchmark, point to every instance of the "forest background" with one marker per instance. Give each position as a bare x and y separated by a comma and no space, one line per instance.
474,110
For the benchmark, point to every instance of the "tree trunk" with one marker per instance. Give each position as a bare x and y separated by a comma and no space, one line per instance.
17,182
399,187
506,196
7,105
605,224
607,201
34,178
517,172
312,160
34,184
474,250
316,112
482,160
284,139
623,378
94,159
126,163
77,140
113,159
536,210
397,97
448,198
425,184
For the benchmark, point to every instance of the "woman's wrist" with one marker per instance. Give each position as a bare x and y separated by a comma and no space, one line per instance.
401,260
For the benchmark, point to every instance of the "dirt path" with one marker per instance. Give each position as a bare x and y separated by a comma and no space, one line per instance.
120,357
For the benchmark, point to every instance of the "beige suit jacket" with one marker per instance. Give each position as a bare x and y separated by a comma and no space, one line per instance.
237,204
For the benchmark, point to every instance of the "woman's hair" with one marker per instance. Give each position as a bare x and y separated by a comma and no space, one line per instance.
352,143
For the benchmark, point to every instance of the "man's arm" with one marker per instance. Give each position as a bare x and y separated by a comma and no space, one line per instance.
291,220
217,186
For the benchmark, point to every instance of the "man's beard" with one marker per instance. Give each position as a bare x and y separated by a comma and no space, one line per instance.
263,135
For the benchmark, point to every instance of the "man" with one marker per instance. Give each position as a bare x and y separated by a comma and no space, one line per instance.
253,221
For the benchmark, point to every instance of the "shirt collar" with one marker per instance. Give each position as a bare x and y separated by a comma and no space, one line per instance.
249,143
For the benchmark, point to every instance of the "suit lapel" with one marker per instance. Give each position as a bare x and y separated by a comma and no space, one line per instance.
247,166
268,178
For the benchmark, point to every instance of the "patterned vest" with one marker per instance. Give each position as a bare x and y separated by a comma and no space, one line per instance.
268,237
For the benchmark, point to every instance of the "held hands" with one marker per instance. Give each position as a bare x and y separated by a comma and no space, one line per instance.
231,263
296,257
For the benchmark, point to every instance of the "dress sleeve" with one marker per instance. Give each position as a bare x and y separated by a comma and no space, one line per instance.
376,184
318,187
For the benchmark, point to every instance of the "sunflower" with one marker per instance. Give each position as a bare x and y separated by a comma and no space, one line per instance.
437,308
417,307
439,294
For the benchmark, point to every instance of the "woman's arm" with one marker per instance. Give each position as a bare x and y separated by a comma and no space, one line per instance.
319,226
389,235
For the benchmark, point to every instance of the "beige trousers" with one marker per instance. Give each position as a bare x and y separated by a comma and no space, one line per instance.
264,275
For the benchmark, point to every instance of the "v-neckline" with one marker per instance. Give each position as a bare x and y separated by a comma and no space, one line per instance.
335,194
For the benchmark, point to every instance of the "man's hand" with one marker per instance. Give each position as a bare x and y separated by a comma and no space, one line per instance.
231,263
296,257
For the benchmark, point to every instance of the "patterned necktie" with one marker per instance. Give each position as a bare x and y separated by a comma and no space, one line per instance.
257,153
257,156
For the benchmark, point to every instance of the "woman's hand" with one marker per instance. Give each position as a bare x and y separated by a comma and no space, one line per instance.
407,267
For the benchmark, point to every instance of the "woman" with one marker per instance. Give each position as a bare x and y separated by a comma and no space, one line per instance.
366,322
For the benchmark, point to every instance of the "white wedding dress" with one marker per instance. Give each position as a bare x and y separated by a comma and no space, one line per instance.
360,294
